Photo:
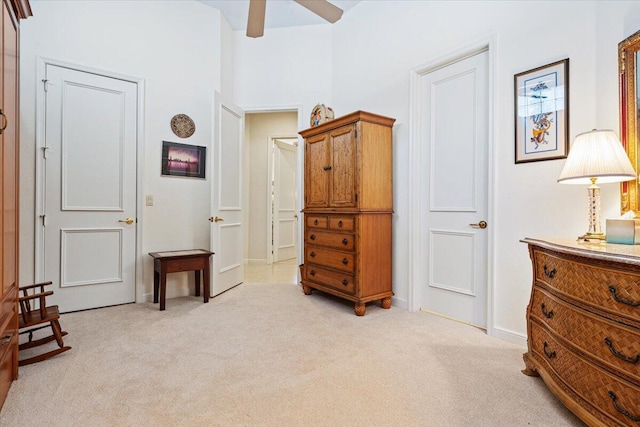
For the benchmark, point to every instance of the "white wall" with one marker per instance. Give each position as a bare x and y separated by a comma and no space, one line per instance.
261,128
175,46
378,43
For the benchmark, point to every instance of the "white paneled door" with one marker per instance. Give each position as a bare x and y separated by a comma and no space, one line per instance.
285,218
88,206
454,204
226,199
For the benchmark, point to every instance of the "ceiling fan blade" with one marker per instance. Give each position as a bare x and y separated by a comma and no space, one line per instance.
322,8
255,21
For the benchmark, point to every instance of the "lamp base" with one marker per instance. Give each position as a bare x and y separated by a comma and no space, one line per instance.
592,236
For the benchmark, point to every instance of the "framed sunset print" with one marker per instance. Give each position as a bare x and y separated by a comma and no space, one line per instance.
542,113
183,160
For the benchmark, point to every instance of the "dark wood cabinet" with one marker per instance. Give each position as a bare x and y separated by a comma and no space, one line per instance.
12,11
348,208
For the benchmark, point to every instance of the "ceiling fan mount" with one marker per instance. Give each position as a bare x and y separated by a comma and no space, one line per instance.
322,8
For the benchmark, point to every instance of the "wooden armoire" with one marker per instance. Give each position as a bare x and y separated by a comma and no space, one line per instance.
348,205
12,12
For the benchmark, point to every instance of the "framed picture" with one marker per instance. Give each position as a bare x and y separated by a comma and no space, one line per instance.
183,159
542,113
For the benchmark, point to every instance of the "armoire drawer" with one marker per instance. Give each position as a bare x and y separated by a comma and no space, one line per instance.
345,242
316,221
330,258
342,223
343,282
611,399
605,290
617,346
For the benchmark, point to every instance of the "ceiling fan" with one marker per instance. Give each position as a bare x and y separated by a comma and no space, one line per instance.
322,8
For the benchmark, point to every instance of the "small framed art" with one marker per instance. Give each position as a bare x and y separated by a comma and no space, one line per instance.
183,160
542,113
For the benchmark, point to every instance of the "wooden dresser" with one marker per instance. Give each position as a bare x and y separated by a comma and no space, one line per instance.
12,11
348,205
583,327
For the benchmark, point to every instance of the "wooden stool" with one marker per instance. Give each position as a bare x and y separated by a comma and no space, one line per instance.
175,261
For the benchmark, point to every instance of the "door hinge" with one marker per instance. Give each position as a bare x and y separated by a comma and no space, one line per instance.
44,83
44,220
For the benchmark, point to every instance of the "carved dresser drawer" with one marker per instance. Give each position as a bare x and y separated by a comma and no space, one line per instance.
330,258
608,288
345,242
583,327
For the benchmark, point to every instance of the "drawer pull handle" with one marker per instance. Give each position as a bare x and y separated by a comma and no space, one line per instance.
549,273
623,411
547,314
312,254
327,168
345,282
619,355
345,261
614,292
345,241
340,223
312,237
315,222
312,272
7,339
549,354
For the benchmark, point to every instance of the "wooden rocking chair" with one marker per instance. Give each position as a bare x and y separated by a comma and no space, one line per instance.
33,314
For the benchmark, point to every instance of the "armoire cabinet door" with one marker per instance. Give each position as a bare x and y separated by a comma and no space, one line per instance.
342,175
316,176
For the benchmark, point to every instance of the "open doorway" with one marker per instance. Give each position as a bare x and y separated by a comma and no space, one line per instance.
272,216
284,199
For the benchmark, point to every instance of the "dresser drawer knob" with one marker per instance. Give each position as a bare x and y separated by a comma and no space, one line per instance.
549,273
548,314
345,282
315,222
609,342
312,254
340,223
312,237
549,354
614,293
312,272
345,241
345,261
623,411
327,168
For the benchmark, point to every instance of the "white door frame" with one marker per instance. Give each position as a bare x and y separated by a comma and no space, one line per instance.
300,177
270,170
418,273
40,139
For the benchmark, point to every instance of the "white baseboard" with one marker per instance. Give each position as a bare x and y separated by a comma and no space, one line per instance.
256,261
510,336
400,303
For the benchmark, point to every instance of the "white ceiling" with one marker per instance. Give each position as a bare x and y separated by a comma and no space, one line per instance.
279,13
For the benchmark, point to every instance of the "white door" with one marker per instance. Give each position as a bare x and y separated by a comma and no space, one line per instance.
226,198
454,200
89,189
285,218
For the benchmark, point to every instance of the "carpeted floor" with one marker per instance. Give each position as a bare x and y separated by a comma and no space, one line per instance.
266,354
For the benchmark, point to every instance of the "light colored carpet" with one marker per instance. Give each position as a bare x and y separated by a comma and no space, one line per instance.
266,354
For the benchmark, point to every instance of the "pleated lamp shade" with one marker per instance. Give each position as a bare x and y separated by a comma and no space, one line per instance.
597,154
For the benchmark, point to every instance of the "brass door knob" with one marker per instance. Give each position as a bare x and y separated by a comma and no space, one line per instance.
128,220
481,224
216,219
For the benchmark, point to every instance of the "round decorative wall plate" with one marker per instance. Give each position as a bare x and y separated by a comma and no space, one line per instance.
182,125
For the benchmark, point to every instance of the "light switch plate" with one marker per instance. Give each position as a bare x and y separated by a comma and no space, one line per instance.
149,200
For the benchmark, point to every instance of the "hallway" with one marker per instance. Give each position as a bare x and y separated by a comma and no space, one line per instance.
285,272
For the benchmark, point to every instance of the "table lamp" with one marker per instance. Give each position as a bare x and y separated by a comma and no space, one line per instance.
596,156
